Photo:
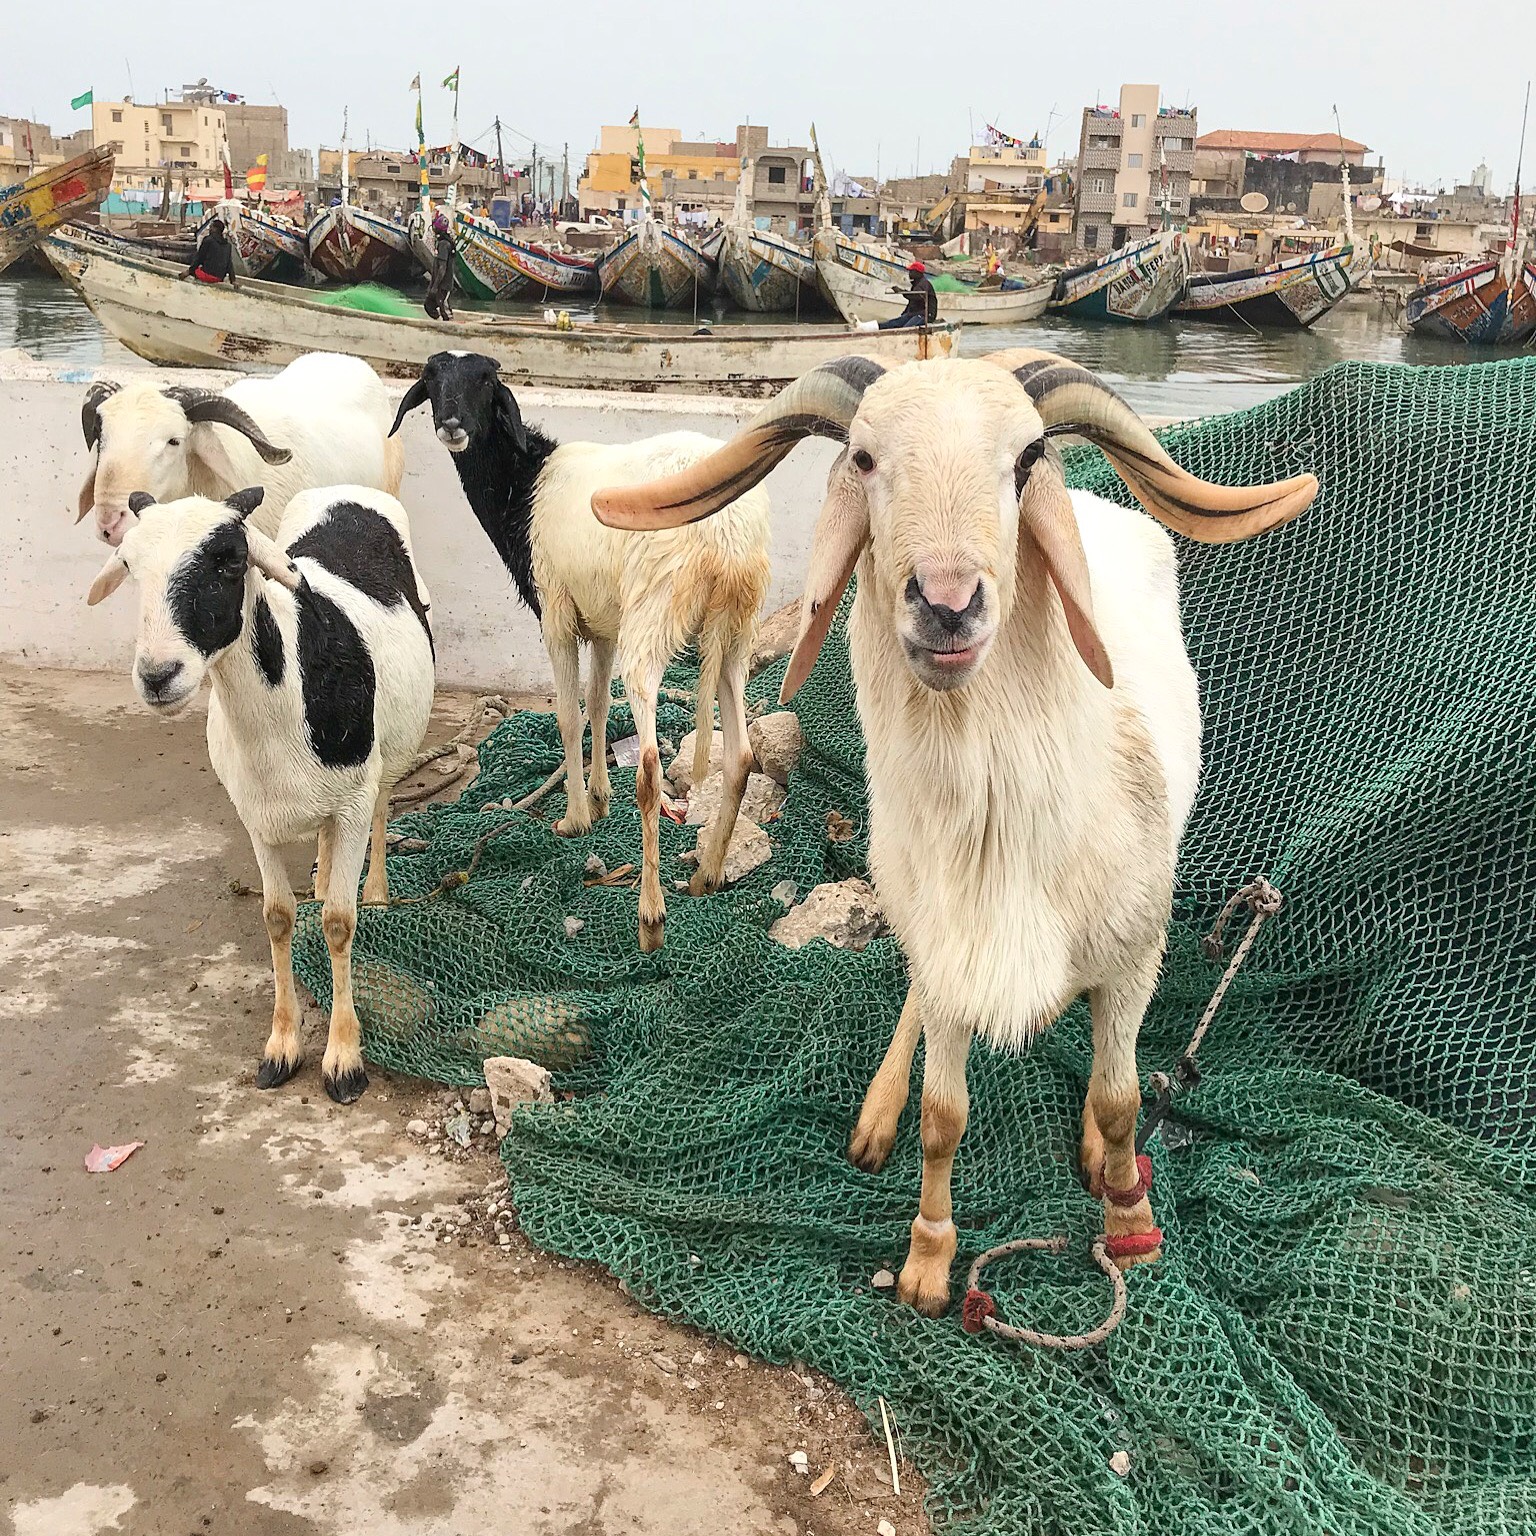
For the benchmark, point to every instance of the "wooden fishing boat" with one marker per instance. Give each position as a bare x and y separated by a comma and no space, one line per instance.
863,285
265,244
1139,282
259,324
47,198
351,245
768,273
652,268
1295,292
492,263
1486,304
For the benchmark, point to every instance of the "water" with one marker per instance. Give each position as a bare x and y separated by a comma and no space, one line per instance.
1175,368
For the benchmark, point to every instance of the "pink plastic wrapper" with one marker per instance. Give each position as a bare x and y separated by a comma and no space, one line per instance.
105,1159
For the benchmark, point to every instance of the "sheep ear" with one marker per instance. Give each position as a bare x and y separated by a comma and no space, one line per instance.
271,559
138,500
1046,517
510,417
414,396
244,502
842,532
112,576
87,498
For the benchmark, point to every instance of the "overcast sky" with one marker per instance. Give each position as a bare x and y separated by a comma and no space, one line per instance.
900,83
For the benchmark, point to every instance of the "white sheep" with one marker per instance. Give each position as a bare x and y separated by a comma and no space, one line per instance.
641,598
1031,717
320,656
324,420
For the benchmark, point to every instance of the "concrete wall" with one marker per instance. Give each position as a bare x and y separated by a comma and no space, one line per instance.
485,637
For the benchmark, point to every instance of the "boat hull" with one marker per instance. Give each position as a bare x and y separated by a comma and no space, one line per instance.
651,268
860,286
766,274
265,324
43,201
1289,294
351,245
266,245
1479,306
490,263
1136,284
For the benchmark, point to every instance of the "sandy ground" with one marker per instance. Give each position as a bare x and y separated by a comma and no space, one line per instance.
272,1319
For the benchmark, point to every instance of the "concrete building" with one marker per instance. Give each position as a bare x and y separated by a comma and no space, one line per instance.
1124,155
611,182
1298,173
780,195
1002,183
382,178
176,138
26,146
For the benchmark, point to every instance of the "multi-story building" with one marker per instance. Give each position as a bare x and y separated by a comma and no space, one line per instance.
781,190
611,183
26,146
175,139
1134,167
1297,173
384,179
1002,183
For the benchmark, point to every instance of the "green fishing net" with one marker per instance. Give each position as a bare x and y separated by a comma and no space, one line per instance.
373,298
1341,1337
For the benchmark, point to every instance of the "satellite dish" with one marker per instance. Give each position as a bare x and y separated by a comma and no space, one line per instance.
1369,204
1254,202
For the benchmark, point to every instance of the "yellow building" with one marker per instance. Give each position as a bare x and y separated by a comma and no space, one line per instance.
174,137
611,184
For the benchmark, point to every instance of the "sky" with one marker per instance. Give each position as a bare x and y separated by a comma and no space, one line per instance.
892,88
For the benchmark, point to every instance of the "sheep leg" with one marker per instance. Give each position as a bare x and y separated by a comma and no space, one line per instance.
875,1134
599,696
323,861
376,886
736,764
924,1281
284,1050
641,690
342,1069
565,661
1109,1113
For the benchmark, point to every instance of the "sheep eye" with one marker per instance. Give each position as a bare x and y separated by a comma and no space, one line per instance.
173,442
863,461
1026,461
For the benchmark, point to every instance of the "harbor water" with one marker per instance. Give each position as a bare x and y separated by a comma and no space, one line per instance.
1173,368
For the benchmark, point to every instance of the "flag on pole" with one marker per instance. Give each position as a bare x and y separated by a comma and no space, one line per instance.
452,82
634,118
415,84
82,100
256,177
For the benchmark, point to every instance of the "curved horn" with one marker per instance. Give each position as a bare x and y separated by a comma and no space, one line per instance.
204,405
90,410
821,403
1071,399
416,395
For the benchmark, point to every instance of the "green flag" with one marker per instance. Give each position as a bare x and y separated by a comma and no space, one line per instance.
452,82
82,101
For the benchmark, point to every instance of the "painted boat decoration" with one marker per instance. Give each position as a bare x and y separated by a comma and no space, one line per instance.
156,315
1489,304
1139,282
652,268
492,263
1295,292
768,273
266,244
351,245
47,198
865,286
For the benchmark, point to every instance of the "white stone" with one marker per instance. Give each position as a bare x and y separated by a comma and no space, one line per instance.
748,849
800,1462
1120,1463
480,1101
573,926
845,913
885,1528
760,800
883,1280
776,743
680,773
418,1129
512,1080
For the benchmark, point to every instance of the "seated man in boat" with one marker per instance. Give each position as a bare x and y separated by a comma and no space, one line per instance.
922,302
215,258
439,300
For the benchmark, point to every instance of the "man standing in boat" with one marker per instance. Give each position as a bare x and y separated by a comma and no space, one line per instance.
215,259
439,300
922,304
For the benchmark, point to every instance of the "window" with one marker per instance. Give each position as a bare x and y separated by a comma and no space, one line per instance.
1099,184
118,147
165,121
1091,236
693,175
1138,119
117,117
1133,162
1173,144
1129,200
186,149
776,176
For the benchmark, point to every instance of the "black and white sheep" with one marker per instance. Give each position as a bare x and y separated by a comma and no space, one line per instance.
319,652
640,597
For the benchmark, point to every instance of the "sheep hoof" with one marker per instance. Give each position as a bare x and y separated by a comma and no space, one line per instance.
704,884
653,934
869,1147
924,1286
568,826
346,1087
274,1071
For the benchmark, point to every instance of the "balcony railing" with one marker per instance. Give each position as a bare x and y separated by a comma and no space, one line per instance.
1096,202
1101,159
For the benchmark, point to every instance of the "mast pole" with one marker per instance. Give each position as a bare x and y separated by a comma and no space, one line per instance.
501,164
346,162
1349,212
1514,228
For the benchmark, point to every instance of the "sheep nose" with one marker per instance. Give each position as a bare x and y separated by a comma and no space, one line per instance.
157,679
951,605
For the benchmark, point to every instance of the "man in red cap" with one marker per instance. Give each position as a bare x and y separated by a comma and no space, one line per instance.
922,302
